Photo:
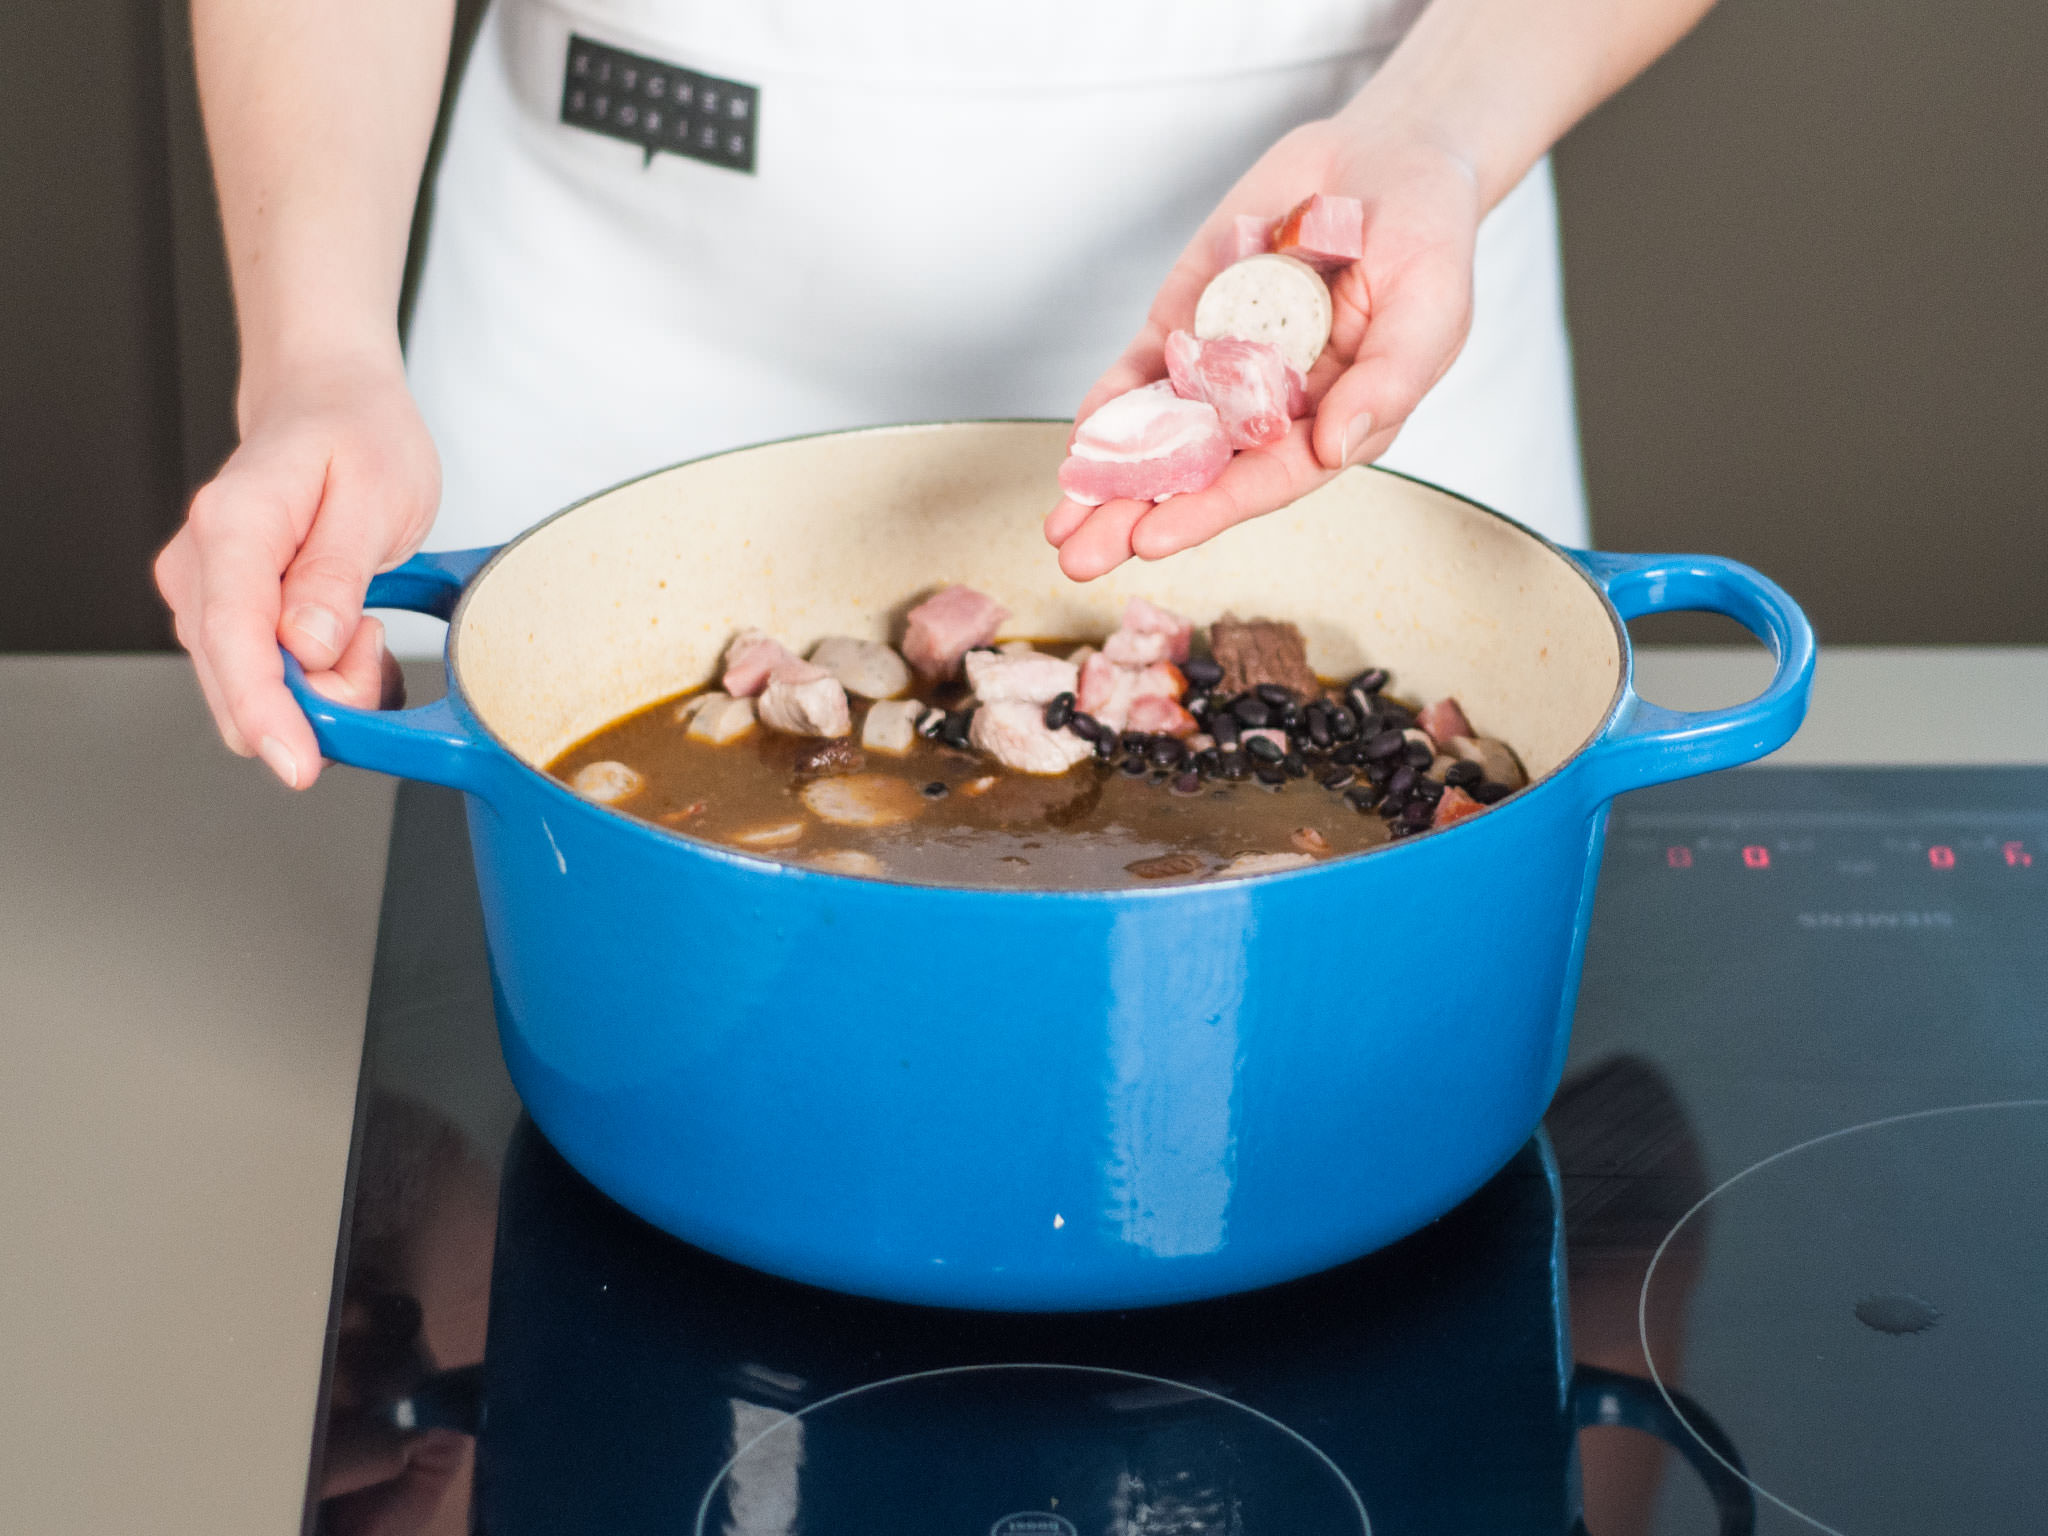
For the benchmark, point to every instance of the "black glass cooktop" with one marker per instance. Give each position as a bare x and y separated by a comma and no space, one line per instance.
1779,1259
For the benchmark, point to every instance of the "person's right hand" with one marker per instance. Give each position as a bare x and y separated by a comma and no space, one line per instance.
335,480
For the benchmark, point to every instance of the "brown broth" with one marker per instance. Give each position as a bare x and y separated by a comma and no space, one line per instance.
1080,830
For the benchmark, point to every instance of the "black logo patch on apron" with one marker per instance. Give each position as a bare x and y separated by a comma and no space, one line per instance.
659,107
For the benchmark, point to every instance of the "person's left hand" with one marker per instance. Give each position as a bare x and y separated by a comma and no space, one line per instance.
1400,316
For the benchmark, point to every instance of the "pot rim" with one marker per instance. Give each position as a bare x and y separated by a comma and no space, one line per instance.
755,864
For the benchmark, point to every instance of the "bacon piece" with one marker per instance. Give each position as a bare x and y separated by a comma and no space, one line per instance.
1157,716
946,626
1324,230
1014,733
997,676
803,700
1443,720
1147,444
753,654
1454,807
1250,383
1148,633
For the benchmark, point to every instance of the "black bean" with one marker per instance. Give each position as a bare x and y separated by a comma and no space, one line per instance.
1060,711
1429,789
1346,752
931,723
1419,755
1274,694
1224,726
1417,813
1251,711
1105,747
1270,773
1208,761
1136,767
936,790
1403,829
1363,796
1361,704
1196,704
1085,726
1166,751
1235,767
954,732
1264,749
1338,778
1188,784
1316,721
1463,774
1490,793
1403,781
1383,770
1343,723
1370,725
1135,741
1295,766
1385,746
1202,672
1392,806
1371,680
1397,718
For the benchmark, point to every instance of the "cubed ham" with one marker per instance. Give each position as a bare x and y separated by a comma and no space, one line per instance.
1443,720
1157,716
1147,443
866,668
1249,234
946,626
1148,634
1454,806
1324,230
891,726
1252,386
752,655
803,700
998,677
1106,691
1014,733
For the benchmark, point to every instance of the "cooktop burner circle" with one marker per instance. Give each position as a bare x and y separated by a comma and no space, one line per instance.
1026,1449
1886,1282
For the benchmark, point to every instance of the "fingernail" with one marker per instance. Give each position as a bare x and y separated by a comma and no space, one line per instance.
280,759
316,624
1356,431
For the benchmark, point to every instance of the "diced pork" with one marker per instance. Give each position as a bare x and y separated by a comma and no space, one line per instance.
1248,235
1250,383
1157,716
1443,720
803,700
867,669
891,726
946,626
1108,691
752,655
1454,806
1013,732
607,782
1269,298
1147,443
722,718
1324,230
1001,676
1148,633
1261,651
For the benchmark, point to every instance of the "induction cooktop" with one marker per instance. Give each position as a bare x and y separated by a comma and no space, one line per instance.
1777,1261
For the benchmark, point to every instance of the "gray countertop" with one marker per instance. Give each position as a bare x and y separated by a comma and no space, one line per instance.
185,957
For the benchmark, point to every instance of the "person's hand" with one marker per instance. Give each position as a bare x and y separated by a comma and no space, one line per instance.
335,480
1400,316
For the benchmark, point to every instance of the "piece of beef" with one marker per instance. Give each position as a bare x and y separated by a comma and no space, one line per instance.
1325,230
1148,634
1250,383
803,700
865,668
946,626
753,654
1147,443
1000,676
1254,651
1013,732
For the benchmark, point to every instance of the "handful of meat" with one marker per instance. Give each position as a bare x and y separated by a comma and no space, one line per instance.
1239,379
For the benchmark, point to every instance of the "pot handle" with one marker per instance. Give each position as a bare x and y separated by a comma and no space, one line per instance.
1612,1398
1648,743
430,743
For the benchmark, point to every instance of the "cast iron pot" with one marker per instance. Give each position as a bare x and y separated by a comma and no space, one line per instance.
1051,1100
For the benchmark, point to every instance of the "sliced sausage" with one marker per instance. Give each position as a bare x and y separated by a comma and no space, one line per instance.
1274,299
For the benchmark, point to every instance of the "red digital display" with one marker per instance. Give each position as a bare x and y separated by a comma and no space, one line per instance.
2017,857
1757,856
1678,858
1941,856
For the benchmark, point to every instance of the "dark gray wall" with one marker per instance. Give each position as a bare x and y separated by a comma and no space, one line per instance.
1802,257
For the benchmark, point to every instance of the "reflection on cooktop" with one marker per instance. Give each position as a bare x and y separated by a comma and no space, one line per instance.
1776,956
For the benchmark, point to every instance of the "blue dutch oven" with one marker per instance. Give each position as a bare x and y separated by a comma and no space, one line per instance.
1057,1100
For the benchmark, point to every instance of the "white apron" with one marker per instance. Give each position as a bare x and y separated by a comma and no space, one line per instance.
958,209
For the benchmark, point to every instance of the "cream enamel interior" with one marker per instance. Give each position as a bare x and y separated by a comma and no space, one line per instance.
632,595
